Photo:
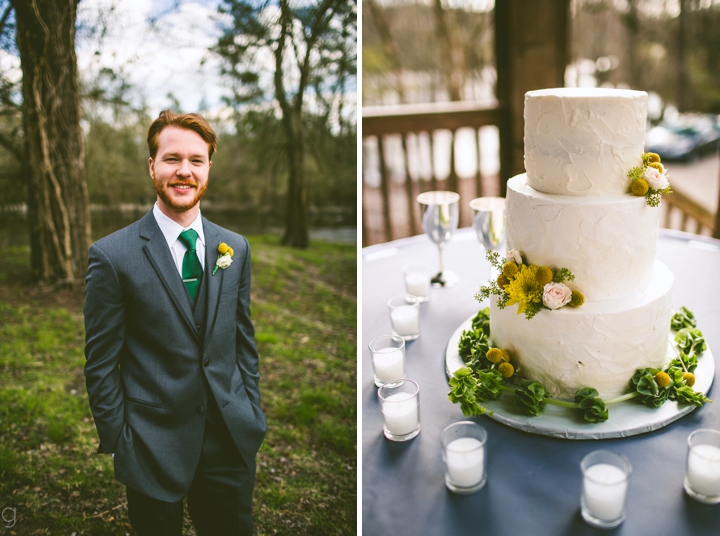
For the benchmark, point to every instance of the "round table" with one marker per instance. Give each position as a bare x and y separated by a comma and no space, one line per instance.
534,481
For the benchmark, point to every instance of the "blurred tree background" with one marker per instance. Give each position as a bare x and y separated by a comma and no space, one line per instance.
442,50
250,175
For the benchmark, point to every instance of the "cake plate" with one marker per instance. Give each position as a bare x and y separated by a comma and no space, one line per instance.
625,418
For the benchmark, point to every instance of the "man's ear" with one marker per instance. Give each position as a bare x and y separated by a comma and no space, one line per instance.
150,167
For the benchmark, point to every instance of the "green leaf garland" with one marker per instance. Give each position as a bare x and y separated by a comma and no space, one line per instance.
481,381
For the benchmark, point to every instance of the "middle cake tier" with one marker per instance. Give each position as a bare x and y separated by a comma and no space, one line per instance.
608,242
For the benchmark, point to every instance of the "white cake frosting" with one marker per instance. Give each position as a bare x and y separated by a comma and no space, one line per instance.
598,345
583,141
572,210
607,242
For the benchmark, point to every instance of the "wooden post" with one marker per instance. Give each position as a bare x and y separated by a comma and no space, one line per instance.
532,50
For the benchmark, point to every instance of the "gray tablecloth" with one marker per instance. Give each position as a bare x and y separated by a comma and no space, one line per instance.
534,482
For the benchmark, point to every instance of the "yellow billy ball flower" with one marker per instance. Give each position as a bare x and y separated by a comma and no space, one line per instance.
506,356
502,281
640,187
223,248
230,251
662,379
689,378
543,275
658,166
577,299
510,269
494,355
506,369
652,157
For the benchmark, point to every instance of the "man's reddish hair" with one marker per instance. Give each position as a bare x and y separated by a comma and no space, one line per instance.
195,122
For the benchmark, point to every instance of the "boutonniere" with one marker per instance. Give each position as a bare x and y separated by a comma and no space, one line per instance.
225,258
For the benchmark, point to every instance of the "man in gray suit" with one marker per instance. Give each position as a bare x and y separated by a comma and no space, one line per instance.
172,367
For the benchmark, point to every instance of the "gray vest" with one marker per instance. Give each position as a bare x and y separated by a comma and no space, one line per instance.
200,316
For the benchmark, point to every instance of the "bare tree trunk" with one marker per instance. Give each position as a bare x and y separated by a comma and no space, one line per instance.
682,85
296,225
390,48
57,193
453,57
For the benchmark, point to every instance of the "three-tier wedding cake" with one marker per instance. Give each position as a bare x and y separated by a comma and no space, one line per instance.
573,209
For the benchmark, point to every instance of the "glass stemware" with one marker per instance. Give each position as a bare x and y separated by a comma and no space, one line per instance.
439,221
489,222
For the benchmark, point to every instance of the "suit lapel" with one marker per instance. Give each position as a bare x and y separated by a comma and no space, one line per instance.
212,241
159,256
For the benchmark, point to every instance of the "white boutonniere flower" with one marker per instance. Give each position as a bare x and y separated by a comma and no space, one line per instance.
225,258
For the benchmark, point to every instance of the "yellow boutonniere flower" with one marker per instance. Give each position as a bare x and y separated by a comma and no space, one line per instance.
225,258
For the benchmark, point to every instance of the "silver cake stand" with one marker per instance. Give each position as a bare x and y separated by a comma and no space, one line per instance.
626,418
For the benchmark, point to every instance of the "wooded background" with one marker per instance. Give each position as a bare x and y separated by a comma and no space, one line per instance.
440,50
71,141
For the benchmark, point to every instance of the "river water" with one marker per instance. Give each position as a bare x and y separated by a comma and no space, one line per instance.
339,229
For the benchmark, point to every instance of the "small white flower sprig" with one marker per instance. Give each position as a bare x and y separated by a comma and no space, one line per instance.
225,258
651,180
532,287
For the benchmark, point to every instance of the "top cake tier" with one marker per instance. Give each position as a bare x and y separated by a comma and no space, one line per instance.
583,141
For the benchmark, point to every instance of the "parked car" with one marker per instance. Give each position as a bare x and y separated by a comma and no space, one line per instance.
687,137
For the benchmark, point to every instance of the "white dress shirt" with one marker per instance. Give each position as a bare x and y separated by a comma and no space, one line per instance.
171,230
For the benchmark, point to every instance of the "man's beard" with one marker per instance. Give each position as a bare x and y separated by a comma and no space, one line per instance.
162,191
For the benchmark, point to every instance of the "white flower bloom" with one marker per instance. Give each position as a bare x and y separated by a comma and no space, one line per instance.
555,295
224,261
514,255
655,179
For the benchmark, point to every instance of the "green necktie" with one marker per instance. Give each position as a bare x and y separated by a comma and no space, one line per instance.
191,268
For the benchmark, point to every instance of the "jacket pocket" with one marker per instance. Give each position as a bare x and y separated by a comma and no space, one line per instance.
143,402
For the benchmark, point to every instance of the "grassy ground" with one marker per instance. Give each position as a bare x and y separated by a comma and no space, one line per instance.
304,310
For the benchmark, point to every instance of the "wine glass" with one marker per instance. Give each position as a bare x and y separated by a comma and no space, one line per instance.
489,222
439,221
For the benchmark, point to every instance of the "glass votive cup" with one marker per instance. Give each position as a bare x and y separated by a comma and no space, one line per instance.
405,316
463,451
605,482
702,474
400,406
388,358
417,280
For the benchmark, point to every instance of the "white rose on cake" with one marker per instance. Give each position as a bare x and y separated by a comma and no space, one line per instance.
655,179
514,255
555,295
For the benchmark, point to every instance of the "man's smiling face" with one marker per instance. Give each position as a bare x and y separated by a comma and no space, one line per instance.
180,169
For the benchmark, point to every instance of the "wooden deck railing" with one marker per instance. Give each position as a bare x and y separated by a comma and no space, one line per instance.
684,214
390,210
384,216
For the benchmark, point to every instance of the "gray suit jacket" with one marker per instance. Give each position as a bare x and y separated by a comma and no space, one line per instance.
146,359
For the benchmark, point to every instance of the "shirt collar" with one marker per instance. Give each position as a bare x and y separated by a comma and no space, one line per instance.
171,230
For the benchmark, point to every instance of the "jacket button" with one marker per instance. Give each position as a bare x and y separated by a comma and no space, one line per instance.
206,362
197,326
201,409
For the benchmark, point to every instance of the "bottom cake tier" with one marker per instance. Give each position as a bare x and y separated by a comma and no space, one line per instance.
600,344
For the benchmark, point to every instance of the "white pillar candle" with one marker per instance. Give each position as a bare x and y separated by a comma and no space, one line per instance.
405,320
417,284
389,364
703,470
465,458
604,489
401,413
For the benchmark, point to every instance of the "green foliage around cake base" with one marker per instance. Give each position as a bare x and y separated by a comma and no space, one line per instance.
480,380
